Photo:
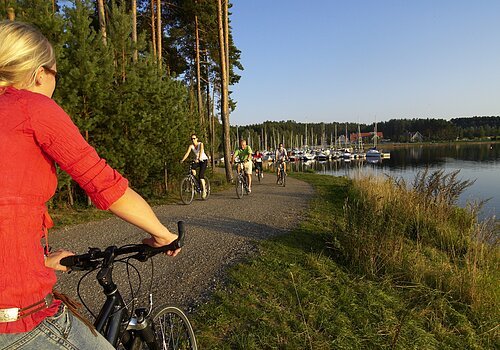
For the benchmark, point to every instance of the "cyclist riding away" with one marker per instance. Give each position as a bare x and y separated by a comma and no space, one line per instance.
257,159
280,157
245,155
35,133
200,161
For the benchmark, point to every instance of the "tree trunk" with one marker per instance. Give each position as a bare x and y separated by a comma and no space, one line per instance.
102,20
213,124
198,78
70,194
159,32
124,73
134,29
153,28
210,121
89,201
166,177
11,14
224,95
226,40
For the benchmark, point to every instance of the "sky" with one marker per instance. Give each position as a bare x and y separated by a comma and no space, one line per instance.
366,60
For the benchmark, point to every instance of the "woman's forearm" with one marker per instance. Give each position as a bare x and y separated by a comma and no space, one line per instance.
132,208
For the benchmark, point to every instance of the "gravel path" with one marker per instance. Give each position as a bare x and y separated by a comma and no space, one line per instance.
220,232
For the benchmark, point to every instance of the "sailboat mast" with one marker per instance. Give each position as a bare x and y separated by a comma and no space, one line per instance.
360,141
306,135
346,135
336,136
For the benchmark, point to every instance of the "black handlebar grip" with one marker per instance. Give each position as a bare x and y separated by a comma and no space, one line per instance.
181,231
69,261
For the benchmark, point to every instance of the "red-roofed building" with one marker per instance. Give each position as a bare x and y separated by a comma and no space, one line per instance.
365,136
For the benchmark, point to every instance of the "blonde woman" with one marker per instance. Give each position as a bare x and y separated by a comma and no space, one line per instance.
34,133
200,161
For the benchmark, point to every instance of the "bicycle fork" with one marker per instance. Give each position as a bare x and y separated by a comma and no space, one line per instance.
142,327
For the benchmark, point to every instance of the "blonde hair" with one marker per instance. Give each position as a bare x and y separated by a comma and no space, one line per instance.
23,50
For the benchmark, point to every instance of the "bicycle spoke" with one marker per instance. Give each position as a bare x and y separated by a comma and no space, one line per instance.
174,330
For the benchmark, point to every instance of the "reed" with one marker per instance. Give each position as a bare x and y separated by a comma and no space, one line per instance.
415,235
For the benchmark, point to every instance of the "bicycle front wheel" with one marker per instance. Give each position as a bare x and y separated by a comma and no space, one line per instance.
239,187
187,191
283,178
173,330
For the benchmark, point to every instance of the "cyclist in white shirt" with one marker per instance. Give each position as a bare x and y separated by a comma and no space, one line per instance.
200,161
280,156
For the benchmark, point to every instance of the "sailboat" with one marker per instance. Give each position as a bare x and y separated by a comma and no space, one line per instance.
359,153
346,152
374,152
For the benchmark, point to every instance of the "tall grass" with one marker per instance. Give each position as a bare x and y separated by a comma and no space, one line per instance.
416,236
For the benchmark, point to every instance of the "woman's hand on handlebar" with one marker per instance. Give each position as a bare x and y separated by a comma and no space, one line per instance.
53,260
157,242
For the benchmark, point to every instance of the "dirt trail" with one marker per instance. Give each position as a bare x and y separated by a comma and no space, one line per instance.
220,231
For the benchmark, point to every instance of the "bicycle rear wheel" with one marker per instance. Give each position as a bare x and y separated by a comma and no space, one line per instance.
173,330
187,191
239,187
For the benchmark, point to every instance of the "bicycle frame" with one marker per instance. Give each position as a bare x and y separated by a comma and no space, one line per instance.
195,182
243,175
118,324
194,179
114,318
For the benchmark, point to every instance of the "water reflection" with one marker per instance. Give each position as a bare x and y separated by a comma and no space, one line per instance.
480,162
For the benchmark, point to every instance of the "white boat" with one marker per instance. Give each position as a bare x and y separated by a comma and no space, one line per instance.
321,156
268,156
296,155
335,154
374,160
373,152
308,156
346,154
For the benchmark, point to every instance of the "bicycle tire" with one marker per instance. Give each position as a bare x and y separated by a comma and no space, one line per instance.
259,175
187,191
173,329
207,188
239,187
283,178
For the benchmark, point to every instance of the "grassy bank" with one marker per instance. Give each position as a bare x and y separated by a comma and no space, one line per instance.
363,282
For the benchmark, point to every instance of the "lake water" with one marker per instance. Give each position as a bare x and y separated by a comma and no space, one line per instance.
479,162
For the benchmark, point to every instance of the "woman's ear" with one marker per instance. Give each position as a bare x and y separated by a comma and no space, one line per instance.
39,76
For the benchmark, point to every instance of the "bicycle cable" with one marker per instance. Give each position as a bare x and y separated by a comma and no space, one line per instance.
79,295
128,264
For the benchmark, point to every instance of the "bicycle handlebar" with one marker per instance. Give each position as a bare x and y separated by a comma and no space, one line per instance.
96,257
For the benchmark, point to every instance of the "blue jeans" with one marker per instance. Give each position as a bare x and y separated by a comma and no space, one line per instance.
62,331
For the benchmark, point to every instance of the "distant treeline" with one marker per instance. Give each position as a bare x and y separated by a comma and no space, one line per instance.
293,134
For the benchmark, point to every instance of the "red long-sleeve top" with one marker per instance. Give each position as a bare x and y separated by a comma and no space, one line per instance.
34,133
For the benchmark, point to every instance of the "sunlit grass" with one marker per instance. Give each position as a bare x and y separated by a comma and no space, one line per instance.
417,237
316,288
